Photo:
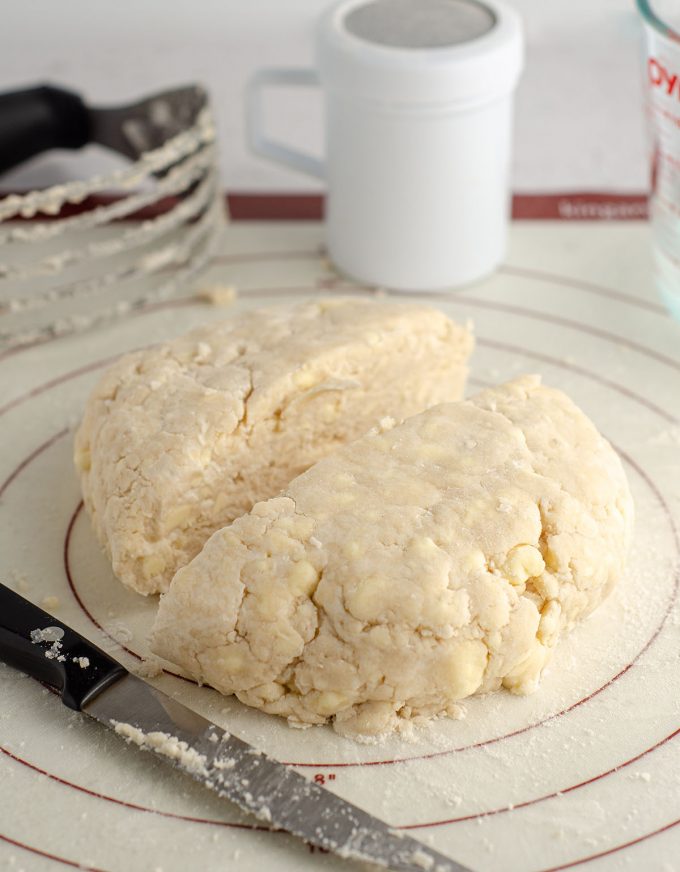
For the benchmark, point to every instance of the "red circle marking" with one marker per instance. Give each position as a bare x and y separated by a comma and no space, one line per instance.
546,359
615,849
67,376
539,799
132,805
63,860
579,862
83,607
460,819
98,364
579,370
178,303
76,594
351,765
506,269
31,457
322,282
571,325
489,343
512,349
211,821
480,744
375,762
588,287
515,806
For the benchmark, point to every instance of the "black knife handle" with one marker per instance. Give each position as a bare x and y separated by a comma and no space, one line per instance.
38,119
77,680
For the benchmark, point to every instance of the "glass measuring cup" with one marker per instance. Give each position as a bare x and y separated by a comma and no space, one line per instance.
661,19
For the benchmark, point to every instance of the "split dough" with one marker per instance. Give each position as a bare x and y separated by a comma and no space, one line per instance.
180,439
410,569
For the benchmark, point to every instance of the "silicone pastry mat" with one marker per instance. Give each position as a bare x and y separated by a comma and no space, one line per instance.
585,771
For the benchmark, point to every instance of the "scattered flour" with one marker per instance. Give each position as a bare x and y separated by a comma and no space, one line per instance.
19,580
165,745
668,436
52,636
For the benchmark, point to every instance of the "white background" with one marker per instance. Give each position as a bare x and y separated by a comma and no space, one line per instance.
579,117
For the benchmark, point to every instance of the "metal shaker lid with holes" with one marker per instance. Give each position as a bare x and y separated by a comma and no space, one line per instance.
420,53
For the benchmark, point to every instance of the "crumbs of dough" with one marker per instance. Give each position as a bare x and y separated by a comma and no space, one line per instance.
386,423
642,776
421,859
121,633
217,294
48,634
52,636
298,725
166,745
416,729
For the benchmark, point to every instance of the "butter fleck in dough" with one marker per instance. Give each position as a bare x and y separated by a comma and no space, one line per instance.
178,440
387,582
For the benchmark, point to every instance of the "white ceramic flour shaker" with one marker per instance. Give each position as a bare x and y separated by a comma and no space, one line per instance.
418,102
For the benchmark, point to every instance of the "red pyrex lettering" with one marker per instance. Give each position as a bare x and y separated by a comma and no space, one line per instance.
660,77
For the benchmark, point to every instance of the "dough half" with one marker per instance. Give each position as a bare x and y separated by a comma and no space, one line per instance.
178,440
418,565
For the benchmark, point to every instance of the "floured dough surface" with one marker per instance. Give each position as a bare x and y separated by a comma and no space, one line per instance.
178,440
420,564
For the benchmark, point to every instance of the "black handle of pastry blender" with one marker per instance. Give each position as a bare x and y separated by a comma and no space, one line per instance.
77,680
38,119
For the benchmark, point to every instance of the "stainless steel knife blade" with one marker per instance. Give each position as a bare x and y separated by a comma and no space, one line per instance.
90,680
272,791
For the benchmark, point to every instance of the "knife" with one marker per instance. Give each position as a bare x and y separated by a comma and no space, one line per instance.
90,681
38,119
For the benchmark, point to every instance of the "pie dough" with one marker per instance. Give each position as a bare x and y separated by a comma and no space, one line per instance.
410,569
180,439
